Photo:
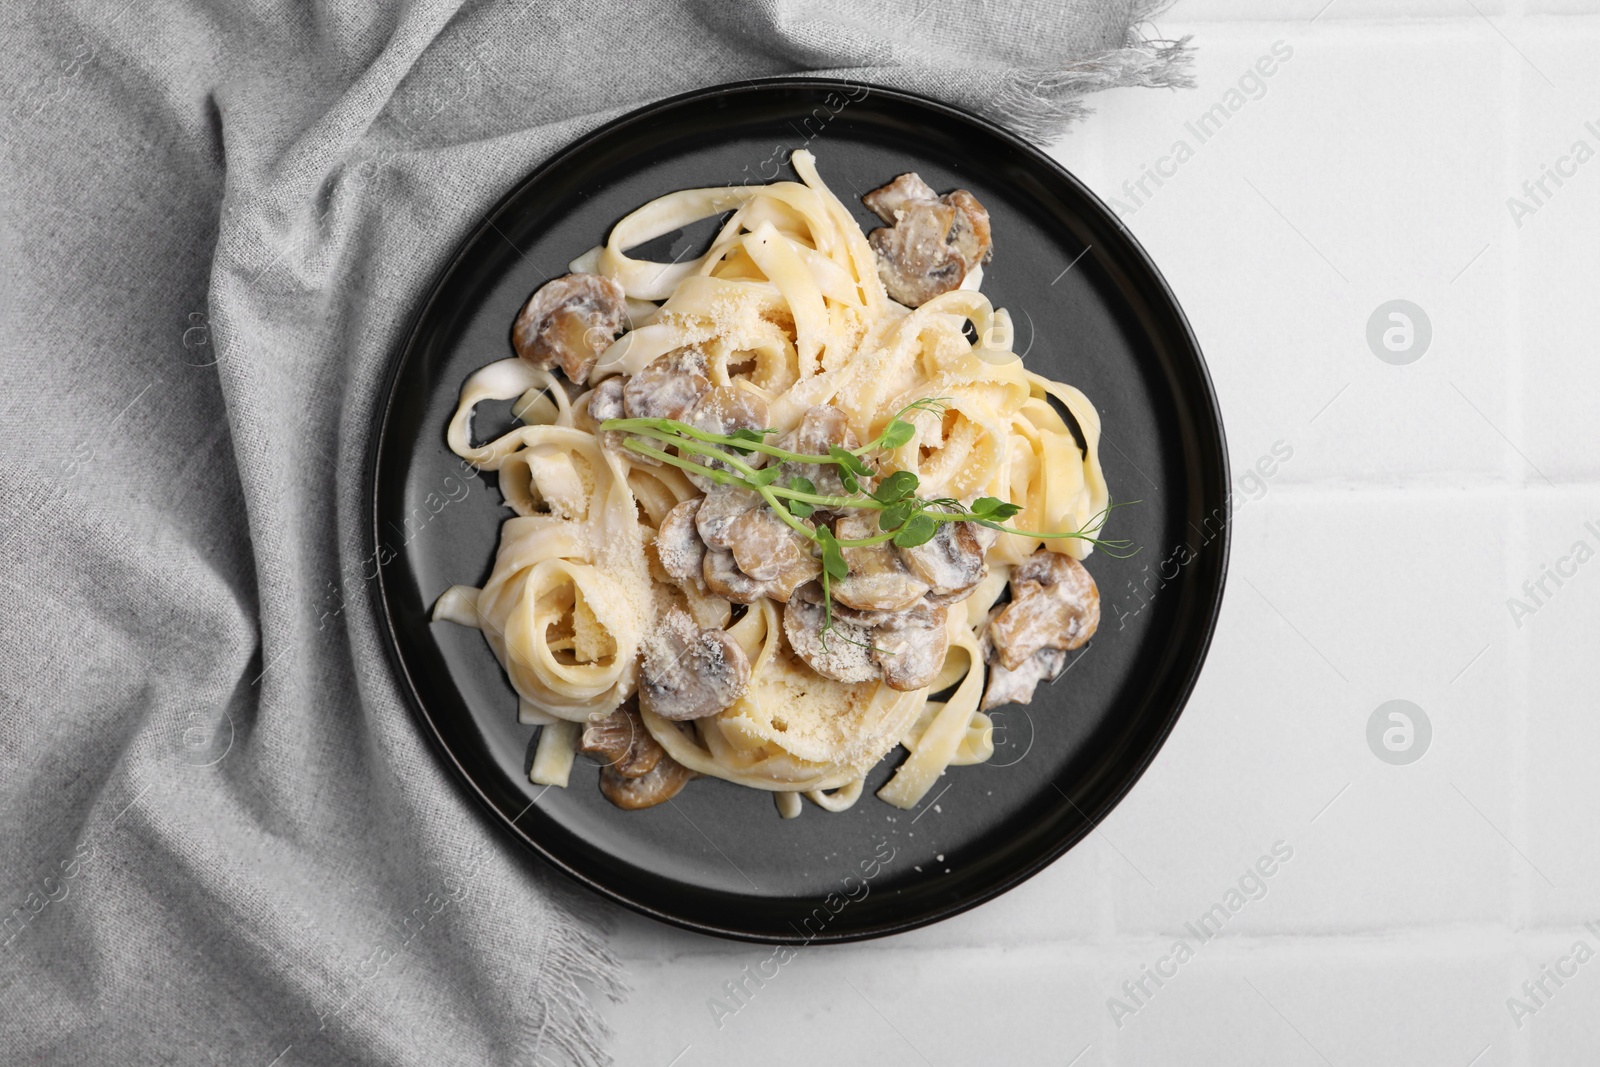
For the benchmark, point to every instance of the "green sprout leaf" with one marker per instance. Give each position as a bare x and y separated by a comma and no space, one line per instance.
748,435
799,508
897,433
895,488
832,556
765,477
851,469
898,514
990,507
918,530
849,461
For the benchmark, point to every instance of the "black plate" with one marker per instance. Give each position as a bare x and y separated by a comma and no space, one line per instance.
718,859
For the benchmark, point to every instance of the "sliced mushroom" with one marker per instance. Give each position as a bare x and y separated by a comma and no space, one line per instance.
622,743
877,581
605,402
669,386
728,408
725,579
689,672
846,654
888,199
812,594
910,645
569,321
678,544
986,536
868,619
1054,604
772,553
722,506
931,242
663,782
970,236
1016,687
724,410
820,427
952,563
914,260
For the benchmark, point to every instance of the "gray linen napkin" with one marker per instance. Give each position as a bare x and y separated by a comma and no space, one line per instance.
222,837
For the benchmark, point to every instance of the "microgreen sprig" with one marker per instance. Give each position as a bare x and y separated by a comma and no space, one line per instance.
898,431
903,517
741,441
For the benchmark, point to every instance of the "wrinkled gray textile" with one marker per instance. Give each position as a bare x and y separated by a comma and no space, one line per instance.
222,837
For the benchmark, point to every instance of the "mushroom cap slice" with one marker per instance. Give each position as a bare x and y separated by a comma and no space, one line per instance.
845,657
771,552
605,402
1016,687
877,581
569,321
724,578
669,386
952,563
812,594
986,536
822,425
868,619
622,743
689,672
969,235
678,544
660,784
723,410
911,645
888,199
727,408
1054,604
915,261
931,243
791,566
720,508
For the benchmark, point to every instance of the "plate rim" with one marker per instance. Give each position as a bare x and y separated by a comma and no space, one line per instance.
379,431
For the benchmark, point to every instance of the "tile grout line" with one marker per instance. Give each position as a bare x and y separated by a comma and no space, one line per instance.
1398,942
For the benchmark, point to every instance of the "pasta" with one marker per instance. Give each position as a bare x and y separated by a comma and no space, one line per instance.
794,314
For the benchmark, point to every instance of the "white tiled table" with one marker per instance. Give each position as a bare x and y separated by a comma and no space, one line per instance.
1375,163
